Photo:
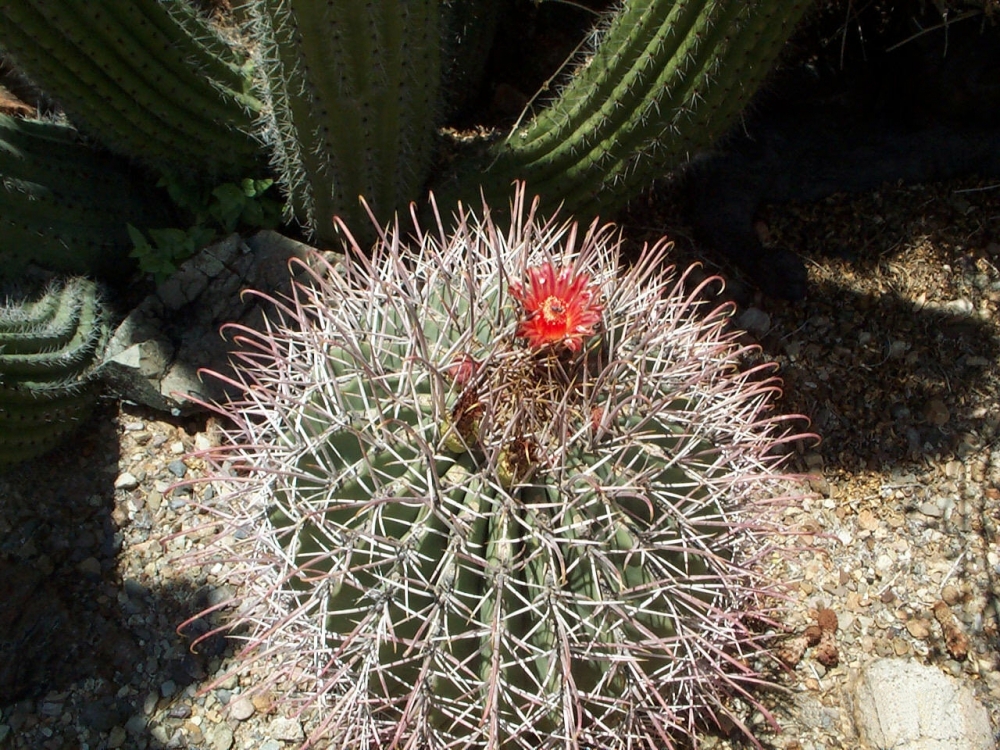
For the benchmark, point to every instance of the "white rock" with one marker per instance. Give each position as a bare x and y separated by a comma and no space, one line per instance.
287,730
126,481
900,704
241,709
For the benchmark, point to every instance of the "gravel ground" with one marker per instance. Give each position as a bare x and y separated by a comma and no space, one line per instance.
895,356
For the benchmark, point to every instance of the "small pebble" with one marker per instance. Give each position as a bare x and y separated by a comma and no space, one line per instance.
90,566
177,468
219,737
136,725
755,321
242,708
936,413
179,711
116,737
126,481
287,730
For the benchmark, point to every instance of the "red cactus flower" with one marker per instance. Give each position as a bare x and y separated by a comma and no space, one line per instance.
560,306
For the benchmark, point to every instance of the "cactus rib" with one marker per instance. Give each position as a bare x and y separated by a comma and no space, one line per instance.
351,94
47,347
665,80
137,77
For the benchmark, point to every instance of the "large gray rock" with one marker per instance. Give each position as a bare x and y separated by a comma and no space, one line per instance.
908,706
155,354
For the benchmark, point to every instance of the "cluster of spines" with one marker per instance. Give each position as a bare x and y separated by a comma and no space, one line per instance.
48,345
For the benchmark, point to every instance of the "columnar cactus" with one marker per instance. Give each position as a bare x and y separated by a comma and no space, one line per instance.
501,490
64,205
350,93
667,78
48,343
148,78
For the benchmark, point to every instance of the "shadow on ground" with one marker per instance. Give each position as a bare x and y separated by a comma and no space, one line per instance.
67,618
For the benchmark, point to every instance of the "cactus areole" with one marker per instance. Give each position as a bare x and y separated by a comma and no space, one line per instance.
496,489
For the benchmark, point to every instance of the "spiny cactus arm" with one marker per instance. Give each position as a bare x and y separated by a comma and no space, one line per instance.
61,349
64,206
47,347
352,91
46,324
138,79
667,78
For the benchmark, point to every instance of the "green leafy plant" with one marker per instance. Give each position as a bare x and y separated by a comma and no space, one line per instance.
500,489
217,212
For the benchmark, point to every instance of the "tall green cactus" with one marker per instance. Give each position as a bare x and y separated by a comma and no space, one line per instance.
351,95
48,344
65,205
666,79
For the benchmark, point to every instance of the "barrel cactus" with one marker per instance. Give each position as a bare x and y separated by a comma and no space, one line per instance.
501,489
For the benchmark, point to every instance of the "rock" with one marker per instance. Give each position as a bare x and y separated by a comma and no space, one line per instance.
154,355
117,737
126,481
936,412
904,705
755,321
242,708
219,737
90,566
287,730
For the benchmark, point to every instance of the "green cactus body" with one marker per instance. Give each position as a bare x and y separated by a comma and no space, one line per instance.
349,94
569,573
146,77
64,206
352,91
47,347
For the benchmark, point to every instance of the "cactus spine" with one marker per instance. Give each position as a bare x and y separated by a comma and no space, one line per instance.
352,93
501,492
47,347
146,78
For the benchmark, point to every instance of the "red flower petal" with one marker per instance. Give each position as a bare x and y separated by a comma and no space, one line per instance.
560,306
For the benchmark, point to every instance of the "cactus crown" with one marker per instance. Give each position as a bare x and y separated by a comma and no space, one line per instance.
501,492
